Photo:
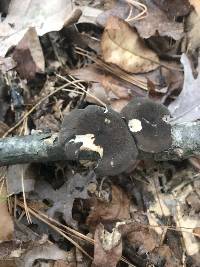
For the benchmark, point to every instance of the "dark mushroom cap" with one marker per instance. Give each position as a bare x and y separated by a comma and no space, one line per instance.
148,122
102,131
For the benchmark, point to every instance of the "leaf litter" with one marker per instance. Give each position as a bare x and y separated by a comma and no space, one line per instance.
63,55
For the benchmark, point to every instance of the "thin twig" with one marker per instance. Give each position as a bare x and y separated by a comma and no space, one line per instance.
85,91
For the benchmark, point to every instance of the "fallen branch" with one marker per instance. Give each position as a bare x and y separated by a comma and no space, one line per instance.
46,147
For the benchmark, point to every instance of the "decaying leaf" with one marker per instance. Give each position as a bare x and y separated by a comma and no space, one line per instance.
117,209
29,56
155,22
142,237
6,222
108,247
45,16
186,107
63,198
137,233
121,45
168,255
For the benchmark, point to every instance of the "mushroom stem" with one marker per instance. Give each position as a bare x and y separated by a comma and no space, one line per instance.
46,147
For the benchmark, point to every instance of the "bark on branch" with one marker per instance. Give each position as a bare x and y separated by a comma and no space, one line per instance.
46,147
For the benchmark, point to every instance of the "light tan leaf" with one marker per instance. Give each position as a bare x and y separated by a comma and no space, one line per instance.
6,223
196,5
192,26
121,45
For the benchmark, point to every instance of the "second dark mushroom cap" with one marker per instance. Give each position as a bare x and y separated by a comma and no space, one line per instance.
101,131
148,121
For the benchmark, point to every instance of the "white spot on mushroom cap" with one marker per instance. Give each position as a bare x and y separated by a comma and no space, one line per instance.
166,118
135,125
107,121
87,141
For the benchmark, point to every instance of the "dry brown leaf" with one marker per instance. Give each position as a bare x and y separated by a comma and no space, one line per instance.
121,45
117,93
29,55
170,259
6,222
138,234
108,247
108,88
143,237
117,209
